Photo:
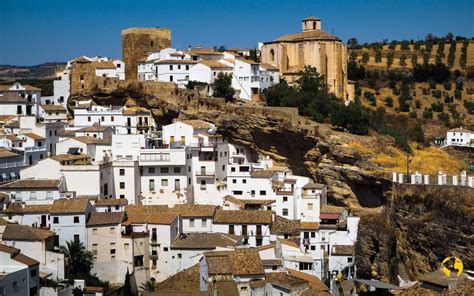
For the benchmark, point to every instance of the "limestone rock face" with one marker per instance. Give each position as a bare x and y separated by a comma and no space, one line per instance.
403,231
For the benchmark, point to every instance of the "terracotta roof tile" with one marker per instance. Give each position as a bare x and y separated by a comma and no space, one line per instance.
111,202
239,262
159,218
289,242
25,233
282,225
94,129
18,208
262,173
32,183
92,140
185,210
306,36
105,218
313,281
343,250
243,217
69,206
184,283
5,153
33,136
51,107
205,241
17,256
313,186
214,64
309,225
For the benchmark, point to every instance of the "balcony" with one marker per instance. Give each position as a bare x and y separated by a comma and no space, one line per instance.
150,157
205,174
153,257
13,164
35,148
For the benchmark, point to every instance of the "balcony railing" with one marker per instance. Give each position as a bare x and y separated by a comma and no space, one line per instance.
205,174
13,164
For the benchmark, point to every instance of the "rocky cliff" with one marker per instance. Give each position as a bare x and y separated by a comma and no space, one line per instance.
401,232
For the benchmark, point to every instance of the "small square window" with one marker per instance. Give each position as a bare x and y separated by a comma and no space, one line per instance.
76,219
94,231
55,220
177,170
151,170
122,185
122,172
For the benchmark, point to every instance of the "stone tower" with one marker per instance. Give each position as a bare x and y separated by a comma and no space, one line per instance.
138,42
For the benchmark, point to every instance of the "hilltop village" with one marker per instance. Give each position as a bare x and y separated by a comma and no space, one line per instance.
105,200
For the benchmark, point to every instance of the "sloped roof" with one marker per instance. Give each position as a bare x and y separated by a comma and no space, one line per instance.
111,202
243,217
309,225
240,262
105,218
306,36
343,250
25,233
69,157
214,64
33,136
94,128
18,208
284,280
185,210
5,87
92,140
197,123
17,256
289,242
51,107
184,283
4,153
69,206
262,173
313,281
32,183
206,241
282,225
172,62
159,218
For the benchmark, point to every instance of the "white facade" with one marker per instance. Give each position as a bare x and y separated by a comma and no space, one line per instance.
18,278
460,137
19,99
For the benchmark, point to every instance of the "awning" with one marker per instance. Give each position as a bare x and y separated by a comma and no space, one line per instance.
329,216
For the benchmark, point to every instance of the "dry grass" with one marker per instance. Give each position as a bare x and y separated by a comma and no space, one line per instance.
424,160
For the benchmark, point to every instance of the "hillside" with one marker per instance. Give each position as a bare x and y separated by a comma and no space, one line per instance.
42,71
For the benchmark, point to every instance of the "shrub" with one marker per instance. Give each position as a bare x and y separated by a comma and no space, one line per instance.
365,57
389,102
403,60
371,97
405,45
469,105
428,113
438,73
378,56
417,104
436,93
447,85
444,117
448,99
413,114
437,107
414,59
396,91
390,59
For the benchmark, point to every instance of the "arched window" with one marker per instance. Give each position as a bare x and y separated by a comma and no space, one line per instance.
314,25
272,55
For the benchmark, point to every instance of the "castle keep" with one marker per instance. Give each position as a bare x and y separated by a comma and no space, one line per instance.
138,42
313,47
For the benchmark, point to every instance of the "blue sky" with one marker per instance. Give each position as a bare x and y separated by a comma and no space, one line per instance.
37,31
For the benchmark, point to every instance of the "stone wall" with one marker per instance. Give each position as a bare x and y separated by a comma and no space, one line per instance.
138,42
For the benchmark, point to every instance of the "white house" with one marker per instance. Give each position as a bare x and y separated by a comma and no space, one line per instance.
253,226
53,113
35,191
20,273
460,137
68,219
19,99
38,244
173,70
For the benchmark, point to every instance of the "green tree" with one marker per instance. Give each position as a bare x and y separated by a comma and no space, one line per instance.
352,43
390,56
414,59
389,101
222,87
127,287
80,260
254,55
403,60
378,56
365,58
148,286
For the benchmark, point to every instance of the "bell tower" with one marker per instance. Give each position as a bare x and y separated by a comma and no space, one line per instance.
311,23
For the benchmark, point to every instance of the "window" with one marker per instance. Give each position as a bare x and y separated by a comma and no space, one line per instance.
94,249
102,118
252,192
272,55
50,133
151,43
313,248
203,222
76,238
94,231
122,172
263,192
33,273
349,259
180,256
285,198
151,185
171,69
76,219
191,222
165,249
238,192
310,206
306,266
122,185
244,181
164,170
232,169
313,234
187,67
223,167
231,229
88,118
112,230
234,181
126,246
112,118
285,212
151,170
179,67
55,220
164,182
177,170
